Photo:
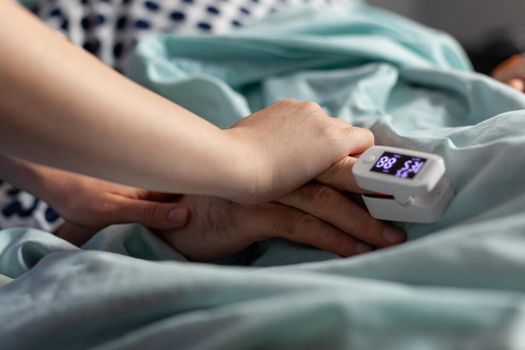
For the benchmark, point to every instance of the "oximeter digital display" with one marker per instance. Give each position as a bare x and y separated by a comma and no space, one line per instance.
399,165
414,183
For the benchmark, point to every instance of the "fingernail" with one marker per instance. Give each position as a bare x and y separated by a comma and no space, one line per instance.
392,235
361,248
178,216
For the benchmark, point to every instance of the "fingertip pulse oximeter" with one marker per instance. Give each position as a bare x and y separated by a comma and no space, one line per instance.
409,186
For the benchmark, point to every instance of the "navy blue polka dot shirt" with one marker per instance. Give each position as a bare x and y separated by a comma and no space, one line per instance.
109,29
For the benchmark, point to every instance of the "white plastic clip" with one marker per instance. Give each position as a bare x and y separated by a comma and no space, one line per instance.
411,185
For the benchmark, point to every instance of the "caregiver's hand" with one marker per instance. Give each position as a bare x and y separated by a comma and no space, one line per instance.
88,204
61,107
290,143
315,214
512,72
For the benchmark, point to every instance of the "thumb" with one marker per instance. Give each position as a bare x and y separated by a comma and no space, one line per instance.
156,215
340,177
357,140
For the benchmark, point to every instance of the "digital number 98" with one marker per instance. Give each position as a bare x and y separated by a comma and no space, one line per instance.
386,162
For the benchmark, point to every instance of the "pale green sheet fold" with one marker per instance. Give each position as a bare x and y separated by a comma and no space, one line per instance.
458,284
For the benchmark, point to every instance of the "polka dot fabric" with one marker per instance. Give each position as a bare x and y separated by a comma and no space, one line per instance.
19,208
110,28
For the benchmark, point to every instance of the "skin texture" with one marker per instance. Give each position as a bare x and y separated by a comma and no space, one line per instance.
61,107
88,204
512,72
316,214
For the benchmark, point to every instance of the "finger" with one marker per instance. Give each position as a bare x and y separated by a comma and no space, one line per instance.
334,208
156,215
340,176
284,222
341,123
359,139
518,84
511,68
77,235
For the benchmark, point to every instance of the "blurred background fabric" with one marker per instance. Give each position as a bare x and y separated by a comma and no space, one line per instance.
491,31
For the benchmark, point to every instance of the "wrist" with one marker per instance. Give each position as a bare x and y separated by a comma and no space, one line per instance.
249,175
24,175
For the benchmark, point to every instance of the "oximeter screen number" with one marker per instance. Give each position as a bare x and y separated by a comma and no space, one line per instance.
399,165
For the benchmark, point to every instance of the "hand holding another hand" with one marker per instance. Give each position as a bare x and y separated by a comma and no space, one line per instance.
315,214
286,145
88,204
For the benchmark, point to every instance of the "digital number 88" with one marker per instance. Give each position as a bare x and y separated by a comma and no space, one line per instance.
386,162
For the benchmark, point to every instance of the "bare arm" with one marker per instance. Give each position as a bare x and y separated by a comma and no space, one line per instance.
61,107
88,204
75,113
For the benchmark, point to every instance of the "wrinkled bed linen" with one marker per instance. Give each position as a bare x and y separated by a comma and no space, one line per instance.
456,284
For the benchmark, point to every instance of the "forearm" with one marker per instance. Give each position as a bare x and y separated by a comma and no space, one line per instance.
39,180
61,107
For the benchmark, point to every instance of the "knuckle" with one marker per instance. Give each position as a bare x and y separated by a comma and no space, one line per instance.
305,194
331,135
287,101
311,105
304,223
365,136
220,217
369,136
324,196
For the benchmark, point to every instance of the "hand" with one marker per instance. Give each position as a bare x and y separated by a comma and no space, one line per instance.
88,204
290,143
512,72
315,214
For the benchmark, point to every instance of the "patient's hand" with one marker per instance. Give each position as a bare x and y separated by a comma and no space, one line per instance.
316,215
512,72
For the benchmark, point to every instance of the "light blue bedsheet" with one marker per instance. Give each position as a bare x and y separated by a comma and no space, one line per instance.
458,284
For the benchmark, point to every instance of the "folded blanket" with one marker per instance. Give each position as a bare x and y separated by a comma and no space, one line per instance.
455,285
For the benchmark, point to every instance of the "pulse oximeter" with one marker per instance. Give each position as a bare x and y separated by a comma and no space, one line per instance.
408,186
